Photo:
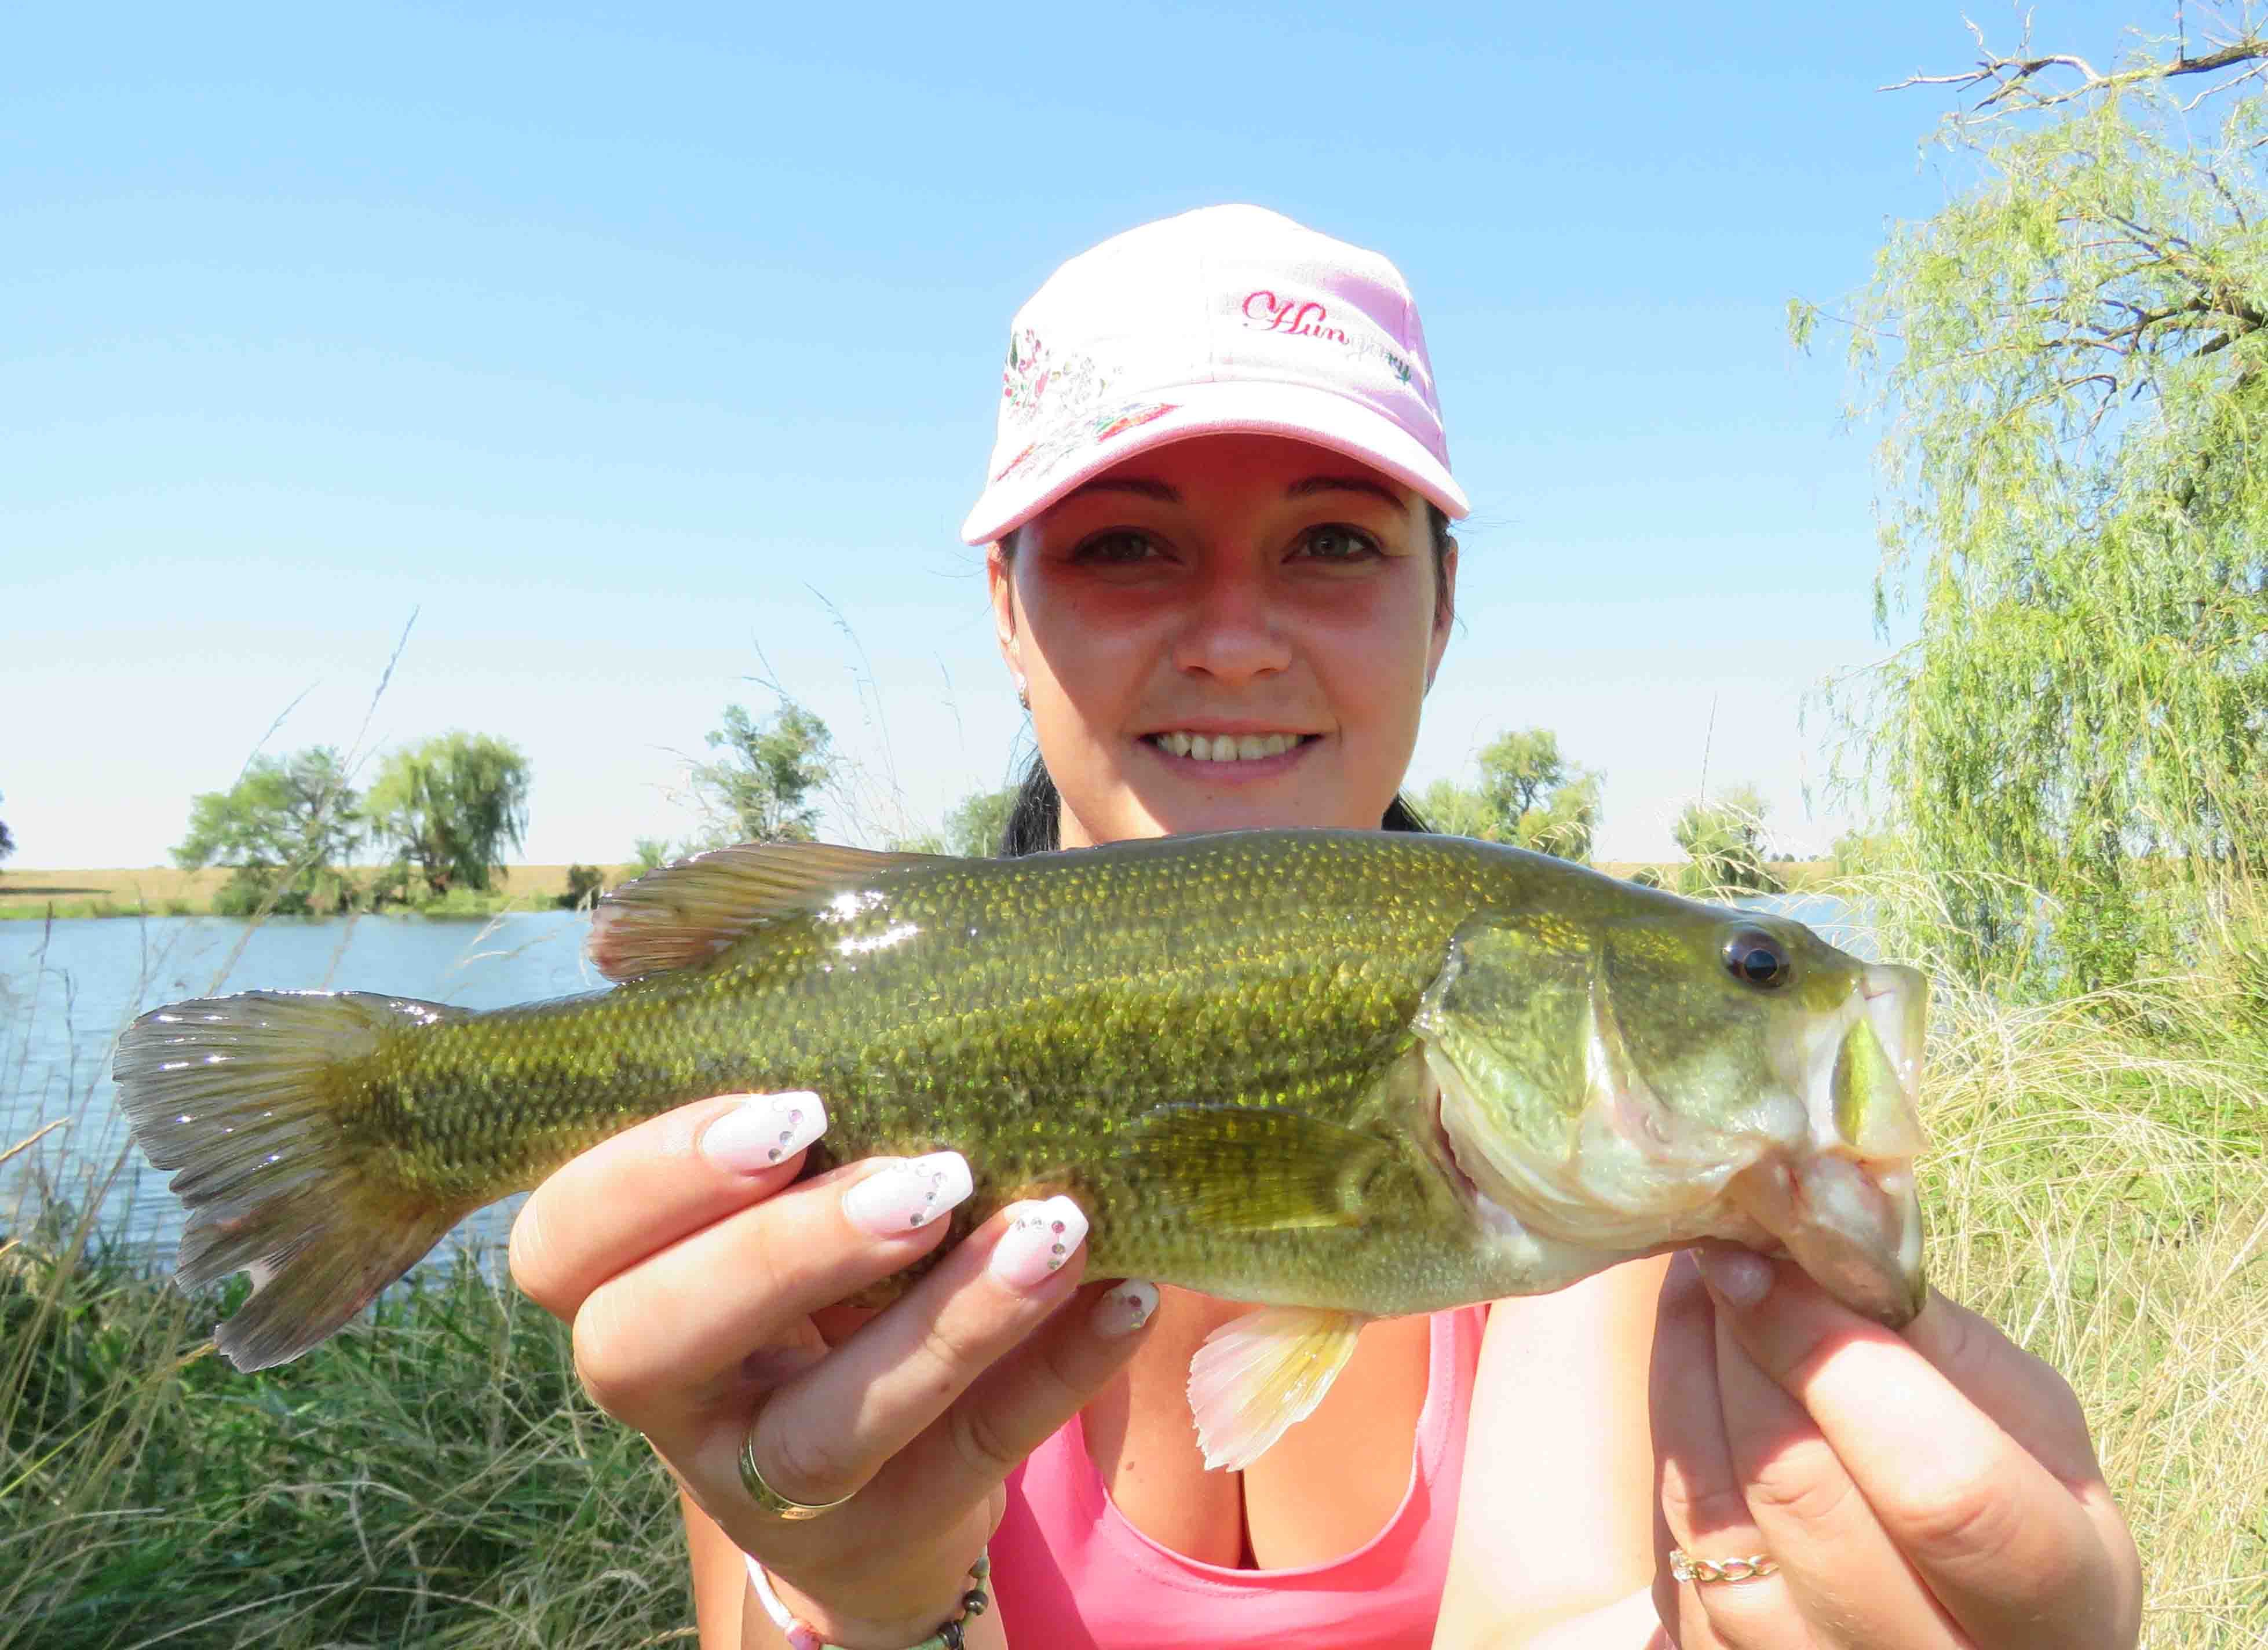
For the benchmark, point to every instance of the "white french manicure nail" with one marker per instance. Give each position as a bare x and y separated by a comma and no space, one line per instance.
764,1130
1124,1307
908,1195
1039,1240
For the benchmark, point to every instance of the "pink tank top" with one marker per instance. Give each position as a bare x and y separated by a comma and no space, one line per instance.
1073,1574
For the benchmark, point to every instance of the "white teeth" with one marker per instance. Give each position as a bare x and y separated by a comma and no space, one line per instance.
1226,747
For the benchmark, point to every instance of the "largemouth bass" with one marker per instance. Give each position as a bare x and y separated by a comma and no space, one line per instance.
1339,1074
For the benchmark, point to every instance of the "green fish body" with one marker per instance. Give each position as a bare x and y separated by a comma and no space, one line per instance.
1340,1074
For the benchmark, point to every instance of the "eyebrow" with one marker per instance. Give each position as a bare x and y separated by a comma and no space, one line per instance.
1144,487
1344,484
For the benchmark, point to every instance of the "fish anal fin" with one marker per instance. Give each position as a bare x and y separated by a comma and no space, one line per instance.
1257,1375
1253,1168
685,914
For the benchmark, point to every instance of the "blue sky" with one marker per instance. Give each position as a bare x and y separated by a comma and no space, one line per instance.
627,346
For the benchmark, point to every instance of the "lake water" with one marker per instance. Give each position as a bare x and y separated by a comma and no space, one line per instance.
68,989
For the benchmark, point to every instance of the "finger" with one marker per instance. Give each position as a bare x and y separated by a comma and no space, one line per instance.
1028,1394
646,1188
829,1431
1843,1574
2022,1394
1999,1540
668,1343
1699,1504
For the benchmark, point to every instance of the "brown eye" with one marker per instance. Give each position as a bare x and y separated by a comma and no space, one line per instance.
1754,958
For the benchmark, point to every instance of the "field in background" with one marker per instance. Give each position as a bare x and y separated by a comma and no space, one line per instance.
162,891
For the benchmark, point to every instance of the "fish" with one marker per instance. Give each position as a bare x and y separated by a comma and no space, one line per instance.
1336,1075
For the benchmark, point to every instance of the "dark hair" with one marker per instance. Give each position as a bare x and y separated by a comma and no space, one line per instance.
1034,820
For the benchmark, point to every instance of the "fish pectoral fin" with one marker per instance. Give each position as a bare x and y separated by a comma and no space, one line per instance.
685,914
1256,1374
1251,1169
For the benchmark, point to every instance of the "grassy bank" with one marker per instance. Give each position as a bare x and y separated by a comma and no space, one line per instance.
162,891
2098,1184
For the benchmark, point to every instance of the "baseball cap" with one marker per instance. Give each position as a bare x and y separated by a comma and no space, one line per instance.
1231,318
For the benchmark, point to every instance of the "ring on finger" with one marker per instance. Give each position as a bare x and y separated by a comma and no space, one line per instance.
1686,1567
769,1500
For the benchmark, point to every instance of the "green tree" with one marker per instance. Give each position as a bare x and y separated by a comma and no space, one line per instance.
448,809
7,842
1528,795
977,822
764,788
287,827
2071,361
1725,844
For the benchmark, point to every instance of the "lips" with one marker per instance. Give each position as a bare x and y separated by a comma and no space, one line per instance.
1227,747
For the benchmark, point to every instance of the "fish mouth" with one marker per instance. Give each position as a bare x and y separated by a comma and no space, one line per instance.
1846,1209
1855,1227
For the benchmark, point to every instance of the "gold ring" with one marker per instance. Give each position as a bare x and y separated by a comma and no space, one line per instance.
1686,1567
771,1499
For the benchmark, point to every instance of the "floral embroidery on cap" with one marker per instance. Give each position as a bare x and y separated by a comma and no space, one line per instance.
1091,429
1029,376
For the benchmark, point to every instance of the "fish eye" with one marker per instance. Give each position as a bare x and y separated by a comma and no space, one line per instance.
1754,958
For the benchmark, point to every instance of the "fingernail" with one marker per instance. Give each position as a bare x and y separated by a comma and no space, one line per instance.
764,1130
1039,1240
1124,1309
1741,1278
907,1195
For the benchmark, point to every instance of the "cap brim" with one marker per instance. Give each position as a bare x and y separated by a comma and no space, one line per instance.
1296,411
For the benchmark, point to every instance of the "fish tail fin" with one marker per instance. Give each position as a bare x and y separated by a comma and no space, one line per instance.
241,1097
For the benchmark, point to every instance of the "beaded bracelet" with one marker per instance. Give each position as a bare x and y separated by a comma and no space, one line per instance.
975,1602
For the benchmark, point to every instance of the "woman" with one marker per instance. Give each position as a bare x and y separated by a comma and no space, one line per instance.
1222,580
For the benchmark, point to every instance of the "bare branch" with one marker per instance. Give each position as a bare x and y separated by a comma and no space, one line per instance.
2012,74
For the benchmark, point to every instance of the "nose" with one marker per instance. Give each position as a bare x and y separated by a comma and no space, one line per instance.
1230,631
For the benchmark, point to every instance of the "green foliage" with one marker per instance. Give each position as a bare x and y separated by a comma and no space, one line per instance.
7,842
975,827
2071,361
1725,844
438,1478
287,826
450,806
584,884
1528,795
764,788
652,853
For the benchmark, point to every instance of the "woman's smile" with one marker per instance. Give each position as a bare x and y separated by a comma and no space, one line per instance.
1209,753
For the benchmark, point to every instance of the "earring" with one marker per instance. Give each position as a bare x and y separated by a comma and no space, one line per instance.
1023,694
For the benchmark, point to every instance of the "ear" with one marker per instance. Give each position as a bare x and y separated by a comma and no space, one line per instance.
1445,615
1000,585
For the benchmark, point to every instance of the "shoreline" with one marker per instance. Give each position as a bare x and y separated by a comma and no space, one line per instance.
36,893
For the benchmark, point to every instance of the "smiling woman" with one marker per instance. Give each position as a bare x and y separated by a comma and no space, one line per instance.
1222,580
1216,635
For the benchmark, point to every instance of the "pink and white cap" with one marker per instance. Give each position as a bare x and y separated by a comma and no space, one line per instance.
1233,318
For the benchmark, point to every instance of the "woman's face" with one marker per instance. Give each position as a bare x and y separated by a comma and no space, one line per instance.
1231,631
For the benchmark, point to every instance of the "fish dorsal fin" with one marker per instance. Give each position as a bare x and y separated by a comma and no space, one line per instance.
1256,1374
1251,1169
685,914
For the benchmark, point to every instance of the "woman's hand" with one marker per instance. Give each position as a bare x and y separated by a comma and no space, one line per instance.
1929,1490
699,1276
